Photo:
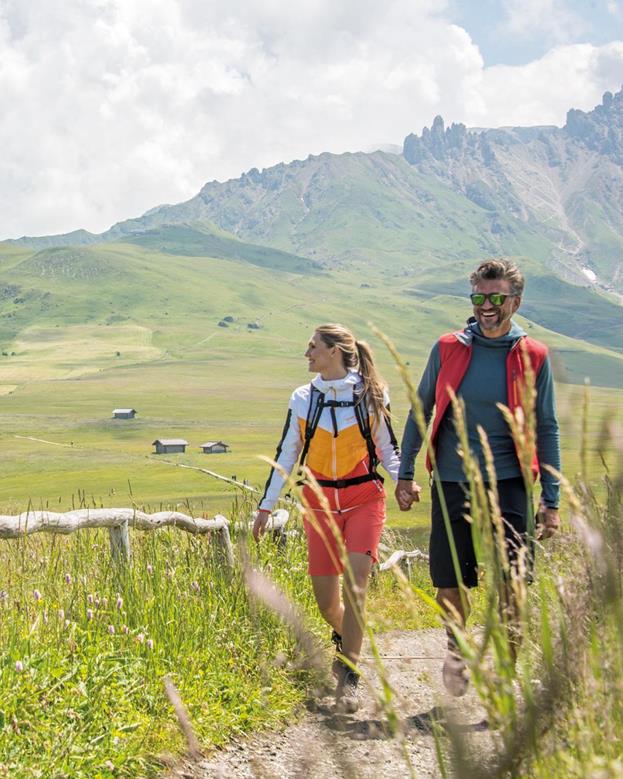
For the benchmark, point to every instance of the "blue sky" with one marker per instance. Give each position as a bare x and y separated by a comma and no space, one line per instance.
515,32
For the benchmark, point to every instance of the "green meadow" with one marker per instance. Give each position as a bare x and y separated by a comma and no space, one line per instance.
87,330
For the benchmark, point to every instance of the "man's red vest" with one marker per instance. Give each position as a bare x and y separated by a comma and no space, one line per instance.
455,356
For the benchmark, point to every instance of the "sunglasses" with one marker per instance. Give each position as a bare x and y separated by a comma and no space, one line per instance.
495,298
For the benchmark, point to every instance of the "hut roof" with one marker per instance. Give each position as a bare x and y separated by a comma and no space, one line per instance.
170,442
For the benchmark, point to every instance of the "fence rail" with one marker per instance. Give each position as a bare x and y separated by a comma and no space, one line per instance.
120,520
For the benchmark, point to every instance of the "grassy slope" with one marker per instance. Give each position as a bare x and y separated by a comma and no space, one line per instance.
149,338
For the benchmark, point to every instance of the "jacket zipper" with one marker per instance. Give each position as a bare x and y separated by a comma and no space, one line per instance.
334,453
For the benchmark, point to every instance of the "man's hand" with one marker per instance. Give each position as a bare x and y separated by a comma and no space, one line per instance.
259,526
407,492
548,522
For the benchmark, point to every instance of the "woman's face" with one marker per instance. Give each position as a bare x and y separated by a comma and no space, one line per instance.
320,357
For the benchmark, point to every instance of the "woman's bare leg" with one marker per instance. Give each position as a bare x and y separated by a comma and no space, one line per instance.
354,602
327,594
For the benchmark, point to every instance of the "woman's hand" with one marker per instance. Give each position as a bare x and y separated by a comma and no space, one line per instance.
259,526
407,492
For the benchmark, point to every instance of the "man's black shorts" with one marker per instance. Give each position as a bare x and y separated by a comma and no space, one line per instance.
514,510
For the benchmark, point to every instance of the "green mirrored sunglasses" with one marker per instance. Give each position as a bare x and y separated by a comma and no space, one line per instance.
495,298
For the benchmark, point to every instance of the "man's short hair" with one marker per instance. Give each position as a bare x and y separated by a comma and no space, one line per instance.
499,269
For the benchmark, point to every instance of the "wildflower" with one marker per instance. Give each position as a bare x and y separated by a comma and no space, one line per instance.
104,603
97,602
67,578
110,765
195,586
125,629
90,599
150,644
89,613
37,595
140,638
111,630
61,614
4,596
67,623
119,603
150,568
19,666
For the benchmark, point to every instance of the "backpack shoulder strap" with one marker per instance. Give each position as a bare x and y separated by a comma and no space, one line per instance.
363,420
316,404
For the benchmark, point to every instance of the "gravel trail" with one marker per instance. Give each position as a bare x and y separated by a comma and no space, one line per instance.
323,745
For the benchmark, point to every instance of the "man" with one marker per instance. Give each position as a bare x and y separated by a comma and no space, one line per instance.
484,364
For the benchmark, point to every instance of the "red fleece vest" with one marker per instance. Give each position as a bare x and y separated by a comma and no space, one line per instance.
455,357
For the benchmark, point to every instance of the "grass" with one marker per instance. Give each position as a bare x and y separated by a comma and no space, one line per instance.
85,649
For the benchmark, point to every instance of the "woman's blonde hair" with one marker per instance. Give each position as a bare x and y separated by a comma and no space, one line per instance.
357,355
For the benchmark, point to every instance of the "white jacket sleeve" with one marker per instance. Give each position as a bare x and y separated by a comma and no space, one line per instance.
386,445
286,457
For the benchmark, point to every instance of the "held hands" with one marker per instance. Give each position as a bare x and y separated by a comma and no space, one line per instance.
547,521
407,492
259,526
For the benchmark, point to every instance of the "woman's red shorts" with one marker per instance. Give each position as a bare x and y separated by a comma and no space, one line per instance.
359,528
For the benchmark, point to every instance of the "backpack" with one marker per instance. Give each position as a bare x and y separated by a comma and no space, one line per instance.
318,402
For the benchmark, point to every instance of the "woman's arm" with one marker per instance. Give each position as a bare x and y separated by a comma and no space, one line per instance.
286,456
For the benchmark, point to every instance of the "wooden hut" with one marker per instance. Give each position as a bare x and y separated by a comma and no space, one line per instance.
215,447
124,413
170,445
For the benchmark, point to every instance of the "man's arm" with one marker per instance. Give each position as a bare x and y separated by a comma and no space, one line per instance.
406,490
548,448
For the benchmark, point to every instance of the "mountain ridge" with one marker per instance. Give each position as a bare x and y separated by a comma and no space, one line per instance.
551,193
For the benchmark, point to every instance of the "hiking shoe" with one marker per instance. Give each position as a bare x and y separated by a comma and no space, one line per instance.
336,640
454,672
346,693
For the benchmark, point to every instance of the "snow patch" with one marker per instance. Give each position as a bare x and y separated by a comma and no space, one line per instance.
590,275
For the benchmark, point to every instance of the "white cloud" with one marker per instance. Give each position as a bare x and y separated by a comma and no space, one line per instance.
553,20
542,91
116,107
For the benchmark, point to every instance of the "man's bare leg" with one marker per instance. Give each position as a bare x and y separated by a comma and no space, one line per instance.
456,610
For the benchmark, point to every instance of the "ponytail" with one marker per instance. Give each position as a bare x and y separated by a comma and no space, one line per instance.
373,395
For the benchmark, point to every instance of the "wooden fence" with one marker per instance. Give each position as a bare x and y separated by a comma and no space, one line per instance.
120,520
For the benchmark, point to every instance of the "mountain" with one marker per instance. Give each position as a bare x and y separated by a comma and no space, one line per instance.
552,197
553,194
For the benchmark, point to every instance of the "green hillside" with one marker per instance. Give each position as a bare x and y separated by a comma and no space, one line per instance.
204,349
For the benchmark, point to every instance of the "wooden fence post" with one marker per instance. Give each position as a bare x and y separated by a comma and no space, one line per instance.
120,543
224,545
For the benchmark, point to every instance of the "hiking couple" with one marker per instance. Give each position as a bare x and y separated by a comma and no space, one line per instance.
339,427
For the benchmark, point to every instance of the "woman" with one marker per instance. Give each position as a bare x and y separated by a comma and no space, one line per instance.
339,427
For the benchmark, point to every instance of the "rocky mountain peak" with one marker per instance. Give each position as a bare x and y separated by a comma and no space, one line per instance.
600,129
437,142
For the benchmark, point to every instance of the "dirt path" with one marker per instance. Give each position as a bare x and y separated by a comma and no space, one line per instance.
324,745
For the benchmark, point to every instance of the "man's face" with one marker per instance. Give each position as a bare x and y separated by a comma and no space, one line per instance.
494,320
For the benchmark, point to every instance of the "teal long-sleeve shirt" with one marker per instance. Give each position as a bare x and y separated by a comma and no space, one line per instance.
482,387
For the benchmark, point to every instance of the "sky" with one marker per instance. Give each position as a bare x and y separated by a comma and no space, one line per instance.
112,107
